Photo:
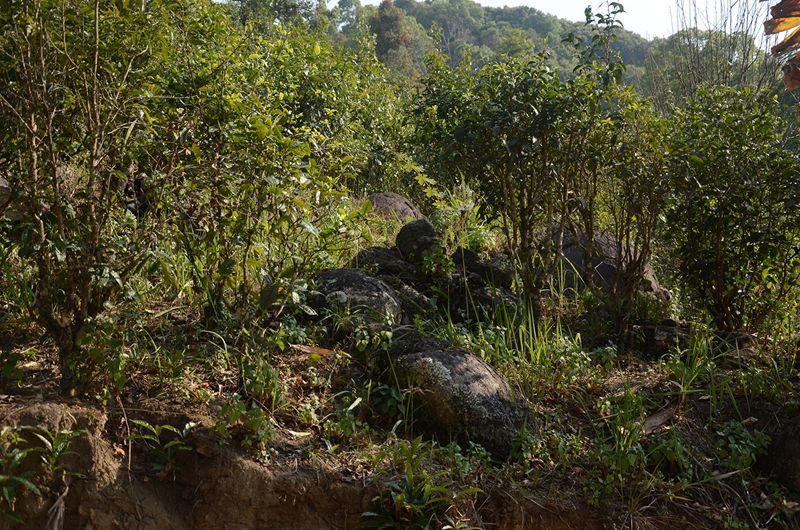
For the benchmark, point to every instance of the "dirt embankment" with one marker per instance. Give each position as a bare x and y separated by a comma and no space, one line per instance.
215,487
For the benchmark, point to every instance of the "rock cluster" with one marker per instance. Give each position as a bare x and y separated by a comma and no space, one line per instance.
474,290
457,396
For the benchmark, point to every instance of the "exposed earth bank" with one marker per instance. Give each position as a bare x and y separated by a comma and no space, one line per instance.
215,487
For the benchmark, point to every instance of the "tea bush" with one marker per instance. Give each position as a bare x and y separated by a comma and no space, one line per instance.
734,215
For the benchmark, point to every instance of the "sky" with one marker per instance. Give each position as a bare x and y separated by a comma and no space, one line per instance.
656,18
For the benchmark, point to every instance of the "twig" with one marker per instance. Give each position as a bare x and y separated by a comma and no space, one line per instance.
130,455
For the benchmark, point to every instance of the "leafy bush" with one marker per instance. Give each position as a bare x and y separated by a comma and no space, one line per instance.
55,447
548,154
164,443
501,130
458,217
415,502
249,425
243,169
73,76
216,153
631,195
734,215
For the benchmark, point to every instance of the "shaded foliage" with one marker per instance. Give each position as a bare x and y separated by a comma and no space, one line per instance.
734,213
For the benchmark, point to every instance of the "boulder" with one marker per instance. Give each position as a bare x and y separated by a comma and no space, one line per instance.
416,239
384,261
457,396
407,340
469,262
391,205
414,303
471,299
603,265
375,302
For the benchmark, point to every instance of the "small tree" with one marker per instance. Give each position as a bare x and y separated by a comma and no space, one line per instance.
734,216
549,153
631,197
503,133
729,52
74,76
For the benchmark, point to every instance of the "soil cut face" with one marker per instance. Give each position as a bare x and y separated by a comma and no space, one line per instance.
213,486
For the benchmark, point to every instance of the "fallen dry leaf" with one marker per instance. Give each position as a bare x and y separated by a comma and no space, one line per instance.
298,434
660,418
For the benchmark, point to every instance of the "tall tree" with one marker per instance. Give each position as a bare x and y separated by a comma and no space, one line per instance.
388,25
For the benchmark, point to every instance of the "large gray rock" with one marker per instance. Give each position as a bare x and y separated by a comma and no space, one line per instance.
415,303
469,262
374,302
416,239
603,265
392,205
384,261
465,299
457,396
407,340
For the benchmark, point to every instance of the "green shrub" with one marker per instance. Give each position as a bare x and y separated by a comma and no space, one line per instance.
248,425
165,133
734,216
546,152
74,75
164,442
13,479
416,501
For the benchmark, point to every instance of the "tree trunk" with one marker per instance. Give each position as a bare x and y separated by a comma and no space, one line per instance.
68,358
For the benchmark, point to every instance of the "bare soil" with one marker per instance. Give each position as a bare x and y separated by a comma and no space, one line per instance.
217,487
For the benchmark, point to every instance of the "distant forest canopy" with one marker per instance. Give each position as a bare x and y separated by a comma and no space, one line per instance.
466,26
406,31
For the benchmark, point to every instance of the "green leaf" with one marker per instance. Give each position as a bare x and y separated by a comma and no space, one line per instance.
355,403
27,484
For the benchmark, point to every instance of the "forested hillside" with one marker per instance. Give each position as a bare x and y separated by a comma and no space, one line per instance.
266,264
465,27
